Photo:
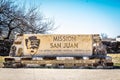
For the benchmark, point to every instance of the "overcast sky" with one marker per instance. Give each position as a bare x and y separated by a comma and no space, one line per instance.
81,16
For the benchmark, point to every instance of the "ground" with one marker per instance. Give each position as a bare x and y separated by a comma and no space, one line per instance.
59,74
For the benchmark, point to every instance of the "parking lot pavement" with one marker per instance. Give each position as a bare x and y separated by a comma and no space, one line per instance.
59,74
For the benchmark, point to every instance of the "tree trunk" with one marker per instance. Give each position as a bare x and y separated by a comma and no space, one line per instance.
8,36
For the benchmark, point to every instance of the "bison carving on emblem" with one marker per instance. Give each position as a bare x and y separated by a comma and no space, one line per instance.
32,44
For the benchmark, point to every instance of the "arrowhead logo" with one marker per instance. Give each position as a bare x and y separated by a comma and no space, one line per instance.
32,44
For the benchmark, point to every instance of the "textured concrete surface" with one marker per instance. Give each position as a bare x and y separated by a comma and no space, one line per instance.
59,74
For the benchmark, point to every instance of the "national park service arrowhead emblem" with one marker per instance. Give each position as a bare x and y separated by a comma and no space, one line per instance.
32,44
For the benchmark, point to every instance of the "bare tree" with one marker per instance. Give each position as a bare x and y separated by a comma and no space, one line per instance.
36,23
104,35
13,19
9,17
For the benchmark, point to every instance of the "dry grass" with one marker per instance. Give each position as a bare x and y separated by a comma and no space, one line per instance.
1,59
115,59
